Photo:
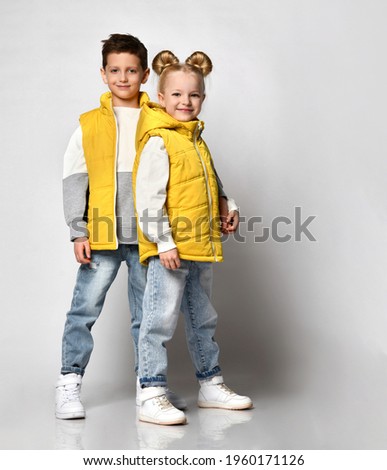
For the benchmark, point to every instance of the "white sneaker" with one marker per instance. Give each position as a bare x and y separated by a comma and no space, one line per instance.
177,402
156,408
214,393
68,403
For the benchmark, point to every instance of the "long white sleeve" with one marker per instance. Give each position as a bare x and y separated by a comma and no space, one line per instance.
75,184
232,205
151,193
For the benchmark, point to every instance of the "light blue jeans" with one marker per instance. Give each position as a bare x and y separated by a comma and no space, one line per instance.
92,284
167,292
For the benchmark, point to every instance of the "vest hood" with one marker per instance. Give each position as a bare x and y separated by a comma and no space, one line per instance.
154,117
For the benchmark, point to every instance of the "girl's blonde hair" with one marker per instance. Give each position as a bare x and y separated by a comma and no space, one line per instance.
166,62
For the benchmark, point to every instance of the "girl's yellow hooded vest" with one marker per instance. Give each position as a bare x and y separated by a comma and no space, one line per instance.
192,191
99,141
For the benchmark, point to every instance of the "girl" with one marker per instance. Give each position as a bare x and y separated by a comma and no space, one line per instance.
177,204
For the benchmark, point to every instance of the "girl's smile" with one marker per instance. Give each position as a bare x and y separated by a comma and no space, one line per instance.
182,96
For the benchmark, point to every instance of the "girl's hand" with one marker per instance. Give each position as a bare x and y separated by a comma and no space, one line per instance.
232,221
170,259
82,250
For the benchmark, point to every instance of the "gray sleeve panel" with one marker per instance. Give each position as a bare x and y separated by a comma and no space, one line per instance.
232,206
221,192
75,203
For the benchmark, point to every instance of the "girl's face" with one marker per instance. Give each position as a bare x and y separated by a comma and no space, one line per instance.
183,95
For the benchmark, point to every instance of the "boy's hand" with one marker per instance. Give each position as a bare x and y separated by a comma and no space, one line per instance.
170,259
82,250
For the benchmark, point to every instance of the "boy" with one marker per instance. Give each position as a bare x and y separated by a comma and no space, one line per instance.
98,208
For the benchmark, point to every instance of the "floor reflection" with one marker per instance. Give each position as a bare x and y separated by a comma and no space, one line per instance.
213,423
69,434
154,436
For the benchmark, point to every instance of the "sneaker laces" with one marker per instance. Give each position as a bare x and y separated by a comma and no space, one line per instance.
225,389
71,394
163,403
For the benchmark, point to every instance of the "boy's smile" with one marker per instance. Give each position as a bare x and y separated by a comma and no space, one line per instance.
124,75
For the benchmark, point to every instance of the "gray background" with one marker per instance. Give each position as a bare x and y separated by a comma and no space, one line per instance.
295,117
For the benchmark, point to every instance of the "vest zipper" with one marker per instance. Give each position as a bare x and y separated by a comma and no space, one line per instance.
195,135
115,178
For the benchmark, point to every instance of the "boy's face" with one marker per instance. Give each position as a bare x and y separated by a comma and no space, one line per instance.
124,75
182,96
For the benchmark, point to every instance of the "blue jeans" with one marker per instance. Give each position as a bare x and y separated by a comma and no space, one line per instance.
93,282
167,292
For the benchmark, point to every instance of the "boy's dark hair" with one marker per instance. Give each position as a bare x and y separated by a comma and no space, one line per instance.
124,43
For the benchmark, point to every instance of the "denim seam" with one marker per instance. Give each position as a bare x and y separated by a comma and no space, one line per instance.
132,298
193,322
150,278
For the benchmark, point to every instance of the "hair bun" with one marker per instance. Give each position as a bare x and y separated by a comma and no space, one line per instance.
163,60
200,60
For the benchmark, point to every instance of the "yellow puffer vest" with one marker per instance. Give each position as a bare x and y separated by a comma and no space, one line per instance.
192,192
99,140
